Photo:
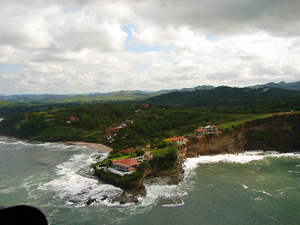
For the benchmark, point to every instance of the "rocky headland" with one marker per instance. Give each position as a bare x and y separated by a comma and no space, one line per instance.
275,133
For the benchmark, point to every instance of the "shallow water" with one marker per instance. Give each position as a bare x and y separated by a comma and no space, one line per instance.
249,188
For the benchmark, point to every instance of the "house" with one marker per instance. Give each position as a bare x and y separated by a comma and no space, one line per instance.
211,129
148,157
125,123
199,132
116,129
132,150
125,164
206,130
72,118
128,121
178,140
138,110
108,137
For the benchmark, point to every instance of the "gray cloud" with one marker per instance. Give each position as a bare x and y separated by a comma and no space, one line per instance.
74,46
226,17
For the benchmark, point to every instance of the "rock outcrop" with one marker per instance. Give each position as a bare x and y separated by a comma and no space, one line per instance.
276,133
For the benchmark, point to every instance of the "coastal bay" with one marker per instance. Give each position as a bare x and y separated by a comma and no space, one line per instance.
247,188
99,147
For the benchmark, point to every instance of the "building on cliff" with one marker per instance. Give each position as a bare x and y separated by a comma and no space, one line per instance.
125,164
178,140
131,150
206,130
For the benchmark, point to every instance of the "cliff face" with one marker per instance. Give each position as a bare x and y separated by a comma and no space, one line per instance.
276,133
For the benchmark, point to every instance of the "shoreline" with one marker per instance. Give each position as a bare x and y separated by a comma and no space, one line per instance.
99,147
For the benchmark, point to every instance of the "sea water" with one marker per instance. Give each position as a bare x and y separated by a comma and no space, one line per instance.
248,188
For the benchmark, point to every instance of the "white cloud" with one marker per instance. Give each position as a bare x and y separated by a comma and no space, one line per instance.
79,46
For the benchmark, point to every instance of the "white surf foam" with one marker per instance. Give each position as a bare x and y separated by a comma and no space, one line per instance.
49,145
174,205
157,190
241,158
76,189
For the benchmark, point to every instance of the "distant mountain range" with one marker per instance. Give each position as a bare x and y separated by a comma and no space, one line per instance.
134,95
282,84
228,97
111,96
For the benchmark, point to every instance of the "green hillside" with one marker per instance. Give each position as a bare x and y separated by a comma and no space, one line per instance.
282,84
225,98
134,95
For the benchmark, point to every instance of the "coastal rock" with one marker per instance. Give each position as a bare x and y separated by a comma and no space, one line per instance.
172,201
172,177
124,199
273,133
73,200
90,201
135,187
104,197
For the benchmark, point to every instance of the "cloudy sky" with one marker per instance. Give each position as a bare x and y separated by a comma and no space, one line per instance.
76,46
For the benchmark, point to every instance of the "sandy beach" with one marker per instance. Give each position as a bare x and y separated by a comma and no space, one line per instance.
99,147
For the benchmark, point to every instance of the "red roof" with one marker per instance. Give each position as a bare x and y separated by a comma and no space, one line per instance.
116,128
200,131
128,150
126,162
175,138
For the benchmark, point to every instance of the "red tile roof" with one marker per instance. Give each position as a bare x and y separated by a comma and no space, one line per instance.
126,162
128,150
116,128
175,138
200,131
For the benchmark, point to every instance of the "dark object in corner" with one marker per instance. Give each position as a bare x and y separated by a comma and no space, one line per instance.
22,214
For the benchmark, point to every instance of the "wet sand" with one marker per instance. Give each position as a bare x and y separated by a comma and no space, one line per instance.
99,147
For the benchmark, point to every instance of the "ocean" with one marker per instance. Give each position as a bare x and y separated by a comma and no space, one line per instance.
254,187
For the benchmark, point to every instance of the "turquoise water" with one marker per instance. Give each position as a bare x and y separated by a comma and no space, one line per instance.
249,188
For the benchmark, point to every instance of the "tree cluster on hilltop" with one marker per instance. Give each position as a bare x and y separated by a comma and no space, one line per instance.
227,98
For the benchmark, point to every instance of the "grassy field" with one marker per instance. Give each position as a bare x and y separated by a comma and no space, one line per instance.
162,151
243,119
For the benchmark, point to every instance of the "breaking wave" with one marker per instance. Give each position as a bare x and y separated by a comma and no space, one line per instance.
52,145
76,185
241,158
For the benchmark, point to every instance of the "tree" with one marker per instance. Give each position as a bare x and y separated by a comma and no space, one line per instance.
139,152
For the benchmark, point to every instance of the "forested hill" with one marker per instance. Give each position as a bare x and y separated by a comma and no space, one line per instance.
224,97
82,98
282,84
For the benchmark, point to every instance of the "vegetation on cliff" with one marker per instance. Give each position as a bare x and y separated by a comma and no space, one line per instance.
276,133
233,100
150,121
93,122
163,160
180,115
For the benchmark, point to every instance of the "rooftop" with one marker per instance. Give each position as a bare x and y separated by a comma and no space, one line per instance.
127,162
175,138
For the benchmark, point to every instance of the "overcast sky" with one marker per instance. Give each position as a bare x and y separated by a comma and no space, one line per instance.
76,46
